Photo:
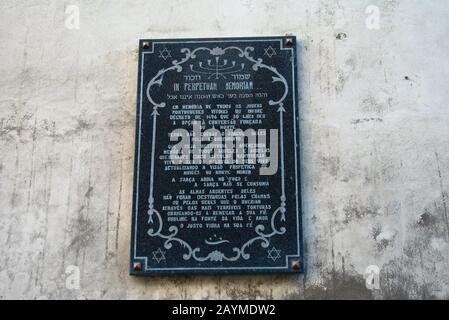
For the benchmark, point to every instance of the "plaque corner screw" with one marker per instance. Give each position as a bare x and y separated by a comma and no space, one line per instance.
289,41
296,265
145,44
137,266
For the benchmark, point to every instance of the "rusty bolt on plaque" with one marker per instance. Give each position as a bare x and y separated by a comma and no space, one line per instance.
296,265
137,266
289,42
145,45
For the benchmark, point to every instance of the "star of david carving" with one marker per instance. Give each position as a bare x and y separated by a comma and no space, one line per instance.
274,253
159,255
165,54
270,51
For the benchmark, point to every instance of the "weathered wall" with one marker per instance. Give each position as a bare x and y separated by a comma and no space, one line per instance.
375,160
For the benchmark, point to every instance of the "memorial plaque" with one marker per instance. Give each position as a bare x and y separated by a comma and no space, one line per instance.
217,181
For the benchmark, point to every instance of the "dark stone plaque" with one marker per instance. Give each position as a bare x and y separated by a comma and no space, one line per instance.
216,181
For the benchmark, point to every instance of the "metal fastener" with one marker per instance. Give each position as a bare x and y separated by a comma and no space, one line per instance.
296,265
145,45
289,42
137,266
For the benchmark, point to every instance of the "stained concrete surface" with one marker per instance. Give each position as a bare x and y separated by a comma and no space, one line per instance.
374,133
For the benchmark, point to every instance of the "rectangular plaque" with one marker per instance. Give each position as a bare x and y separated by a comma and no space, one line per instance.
216,180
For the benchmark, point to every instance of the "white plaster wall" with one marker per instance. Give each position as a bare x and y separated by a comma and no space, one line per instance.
375,140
